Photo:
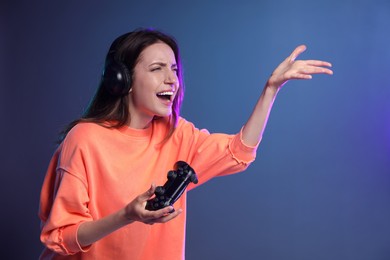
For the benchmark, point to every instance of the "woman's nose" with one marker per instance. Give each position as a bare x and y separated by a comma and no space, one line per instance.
171,77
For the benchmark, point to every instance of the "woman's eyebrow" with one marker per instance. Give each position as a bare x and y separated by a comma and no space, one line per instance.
163,64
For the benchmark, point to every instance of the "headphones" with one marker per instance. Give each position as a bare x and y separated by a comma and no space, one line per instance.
116,78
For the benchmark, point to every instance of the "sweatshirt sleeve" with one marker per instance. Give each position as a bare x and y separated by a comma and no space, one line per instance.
64,203
68,211
216,154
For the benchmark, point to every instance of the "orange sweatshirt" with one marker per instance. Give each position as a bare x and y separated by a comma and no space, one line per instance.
96,171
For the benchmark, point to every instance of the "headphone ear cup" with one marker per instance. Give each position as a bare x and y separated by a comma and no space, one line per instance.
116,79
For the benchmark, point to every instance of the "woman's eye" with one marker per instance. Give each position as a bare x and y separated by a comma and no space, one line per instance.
156,68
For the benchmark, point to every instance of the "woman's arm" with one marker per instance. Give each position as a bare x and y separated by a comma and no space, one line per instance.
92,231
288,69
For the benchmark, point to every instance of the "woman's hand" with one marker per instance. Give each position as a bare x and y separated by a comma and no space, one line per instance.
135,210
92,231
289,69
297,69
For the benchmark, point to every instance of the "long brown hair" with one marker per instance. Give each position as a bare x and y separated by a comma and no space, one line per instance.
105,107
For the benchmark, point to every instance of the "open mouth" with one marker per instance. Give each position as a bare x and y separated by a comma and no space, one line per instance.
166,95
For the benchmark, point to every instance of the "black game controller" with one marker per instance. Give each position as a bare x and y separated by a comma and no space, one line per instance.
177,182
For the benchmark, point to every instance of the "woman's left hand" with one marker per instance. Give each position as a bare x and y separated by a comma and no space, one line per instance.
291,68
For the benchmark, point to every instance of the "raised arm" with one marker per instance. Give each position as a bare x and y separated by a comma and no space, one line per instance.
289,69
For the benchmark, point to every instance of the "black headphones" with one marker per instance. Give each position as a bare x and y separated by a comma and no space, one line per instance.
116,78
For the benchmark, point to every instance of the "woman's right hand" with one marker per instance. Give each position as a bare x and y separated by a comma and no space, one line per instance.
92,231
135,210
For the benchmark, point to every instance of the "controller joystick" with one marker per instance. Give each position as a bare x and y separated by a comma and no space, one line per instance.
177,182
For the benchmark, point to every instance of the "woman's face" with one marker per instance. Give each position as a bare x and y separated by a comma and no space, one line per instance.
155,84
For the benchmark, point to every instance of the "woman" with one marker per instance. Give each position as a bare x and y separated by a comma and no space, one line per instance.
105,169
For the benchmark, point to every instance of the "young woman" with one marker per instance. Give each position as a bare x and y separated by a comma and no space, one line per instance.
107,164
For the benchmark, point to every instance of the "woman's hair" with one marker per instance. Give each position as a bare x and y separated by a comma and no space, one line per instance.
126,49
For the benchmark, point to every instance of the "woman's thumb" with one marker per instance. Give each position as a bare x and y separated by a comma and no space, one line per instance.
149,193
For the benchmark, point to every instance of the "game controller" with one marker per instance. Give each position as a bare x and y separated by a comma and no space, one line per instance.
177,182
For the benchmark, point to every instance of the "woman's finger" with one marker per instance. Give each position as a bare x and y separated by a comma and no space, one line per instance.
298,50
149,193
318,63
167,217
316,70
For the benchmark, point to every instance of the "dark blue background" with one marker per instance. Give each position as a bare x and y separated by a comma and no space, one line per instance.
320,187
